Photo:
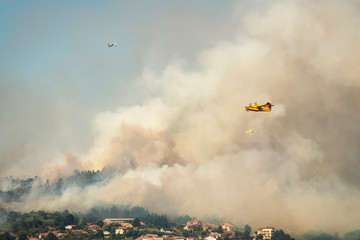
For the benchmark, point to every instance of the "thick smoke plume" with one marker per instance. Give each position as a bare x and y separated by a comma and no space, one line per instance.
185,149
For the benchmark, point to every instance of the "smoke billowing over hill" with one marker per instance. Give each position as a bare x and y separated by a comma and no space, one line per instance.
184,150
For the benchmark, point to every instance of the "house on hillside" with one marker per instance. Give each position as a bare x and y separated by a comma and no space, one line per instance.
166,230
60,235
43,235
215,235
149,237
93,228
228,227
175,238
106,234
79,232
117,220
210,227
69,227
120,230
229,234
210,238
266,232
193,225
127,225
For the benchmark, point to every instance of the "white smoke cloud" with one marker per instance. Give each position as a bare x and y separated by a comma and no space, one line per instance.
185,150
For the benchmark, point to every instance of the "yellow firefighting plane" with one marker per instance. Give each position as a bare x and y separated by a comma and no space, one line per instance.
250,132
111,44
259,107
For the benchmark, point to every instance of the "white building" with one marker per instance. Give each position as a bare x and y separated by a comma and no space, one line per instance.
69,227
120,230
106,234
210,238
267,232
117,220
227,227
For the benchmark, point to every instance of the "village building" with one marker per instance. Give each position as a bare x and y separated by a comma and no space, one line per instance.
120,230
166,230
266,232
127,225
210,238
106,234
229,234
193,225
69,227
215,235
117,220
60,235
149,237
175,238
210,227
43,235
228,227
93,228
79,232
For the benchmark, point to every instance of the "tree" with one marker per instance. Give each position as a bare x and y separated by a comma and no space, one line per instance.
136,222
6,236
51,236
59,221
83,222
15,227
76,172
247,228
246,236
353,235
280,235
220,230
135,233
91,217
22,236
318,236
204,233
69,219
100,234
161,221
100,223
36,222
259,236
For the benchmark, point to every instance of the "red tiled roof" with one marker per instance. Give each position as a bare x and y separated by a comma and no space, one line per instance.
228,224
266,228
194,220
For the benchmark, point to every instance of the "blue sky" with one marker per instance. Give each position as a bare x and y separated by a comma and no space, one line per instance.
41,39
57,73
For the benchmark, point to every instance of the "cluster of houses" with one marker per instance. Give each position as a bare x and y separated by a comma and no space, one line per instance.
228,230
123,222
214,231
